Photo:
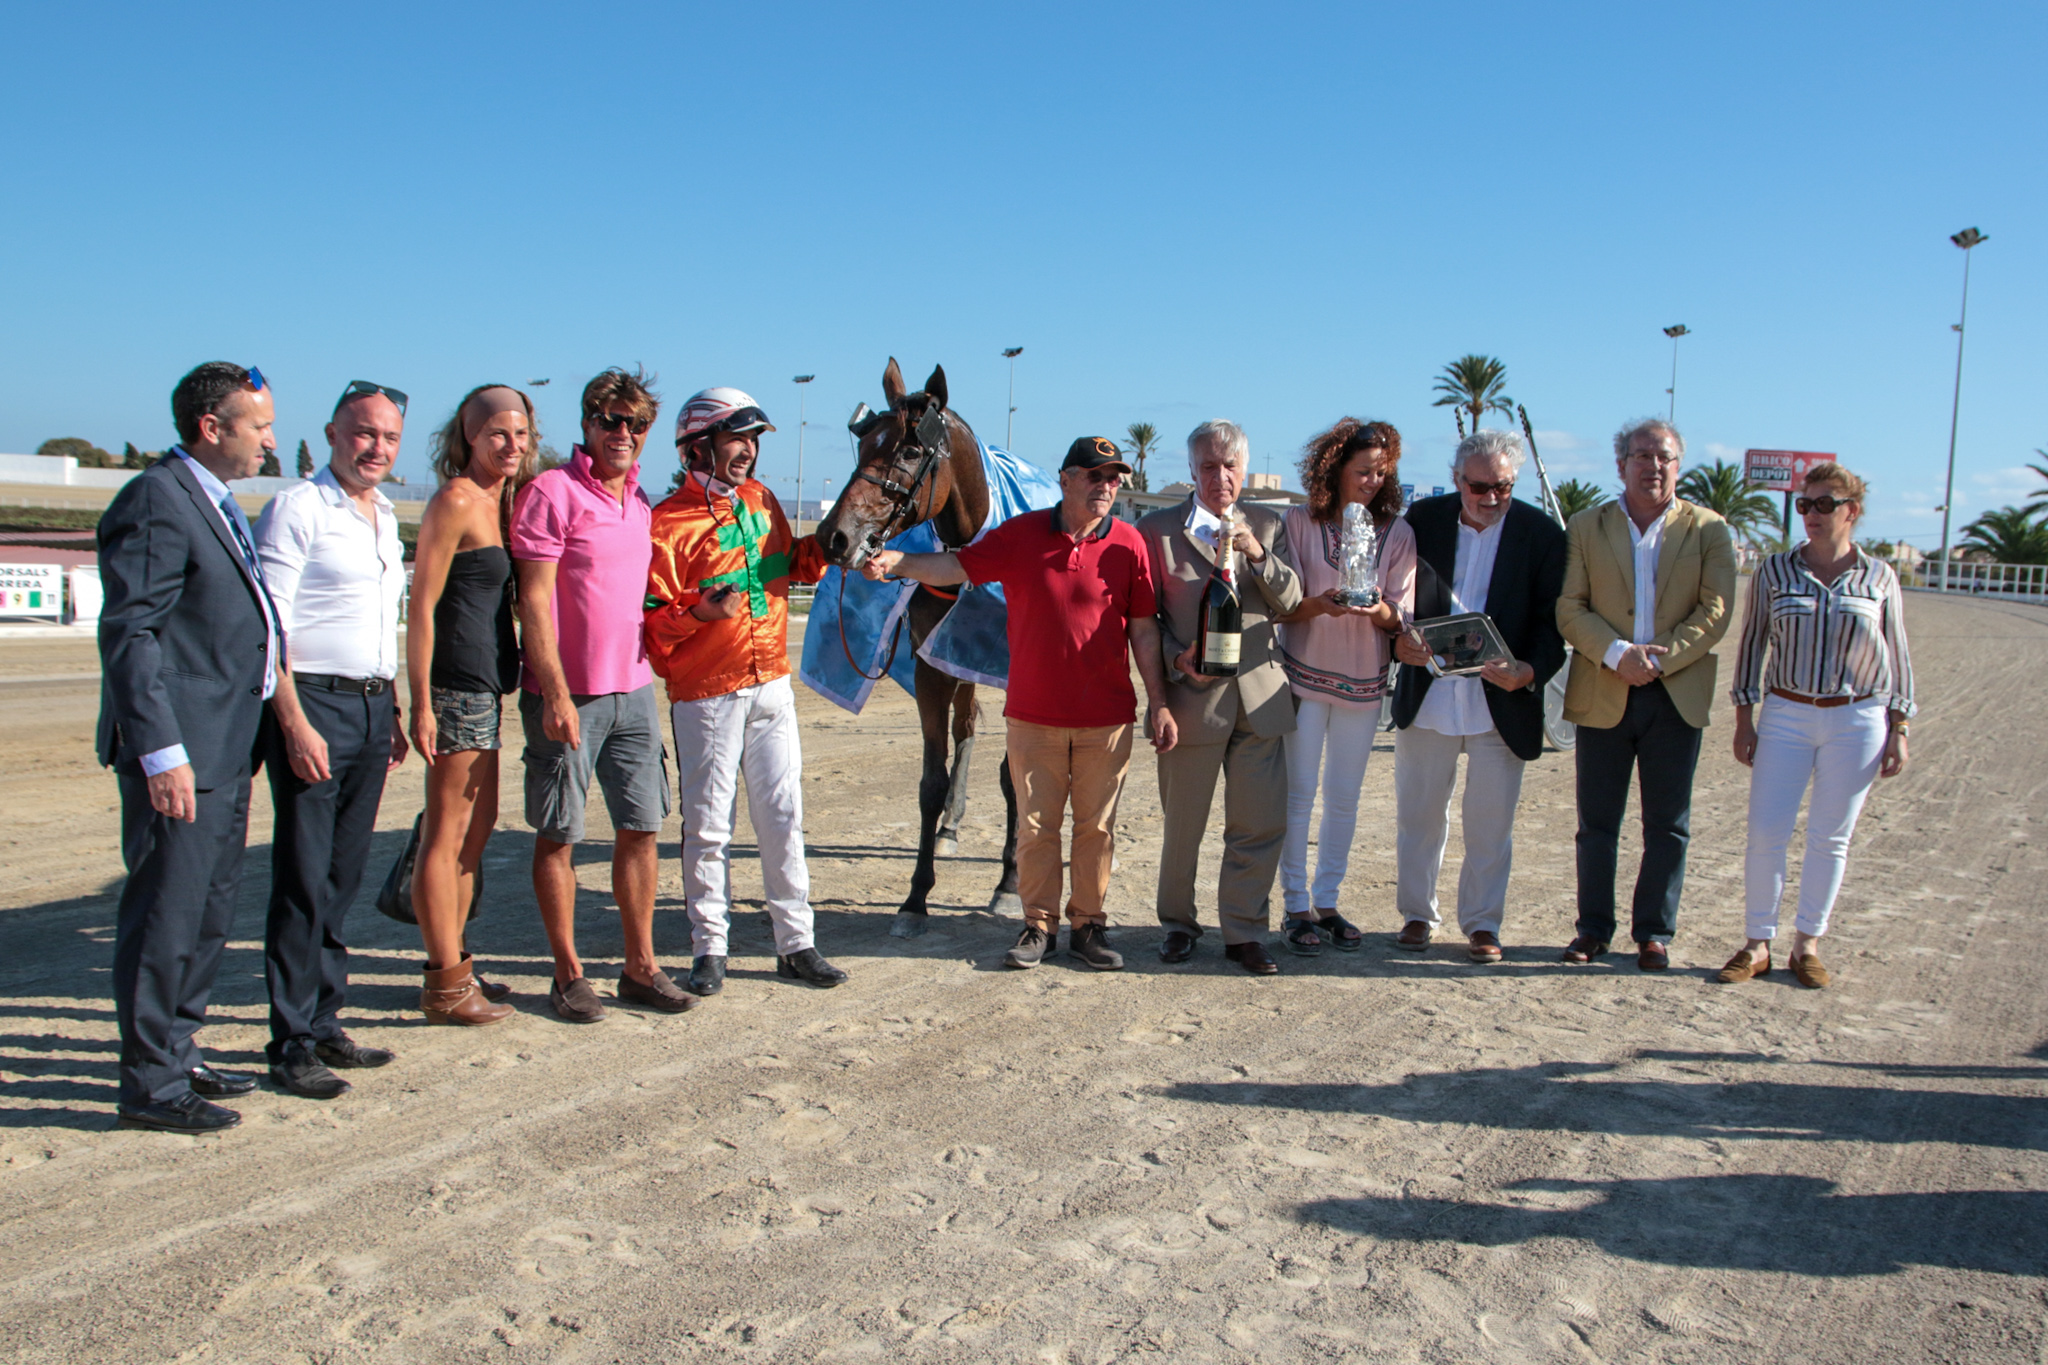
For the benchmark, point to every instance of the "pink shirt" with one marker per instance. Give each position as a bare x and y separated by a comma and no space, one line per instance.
1343,659
602,550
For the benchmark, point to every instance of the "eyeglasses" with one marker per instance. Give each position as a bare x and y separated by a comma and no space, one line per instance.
613,421
1825,504
255,380
1480,490
1659,456
1100,477
363,388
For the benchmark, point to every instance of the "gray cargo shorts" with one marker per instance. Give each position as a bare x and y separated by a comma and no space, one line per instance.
620,744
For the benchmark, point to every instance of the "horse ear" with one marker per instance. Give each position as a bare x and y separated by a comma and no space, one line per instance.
936,385
892,384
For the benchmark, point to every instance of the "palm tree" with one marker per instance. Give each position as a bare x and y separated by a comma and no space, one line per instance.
1575,496
1144,440
1720,487
2040,503
2008,535
1476,384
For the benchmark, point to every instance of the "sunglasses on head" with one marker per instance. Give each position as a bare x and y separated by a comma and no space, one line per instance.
1480,490
363,388
613,421
256,380
1825,504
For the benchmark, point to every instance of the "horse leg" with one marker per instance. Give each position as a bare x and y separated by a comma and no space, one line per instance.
1006,901
934,697
966,716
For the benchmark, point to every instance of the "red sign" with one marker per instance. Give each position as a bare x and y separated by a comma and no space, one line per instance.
1781,471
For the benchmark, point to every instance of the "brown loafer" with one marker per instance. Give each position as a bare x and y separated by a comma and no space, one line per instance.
1806,969
659,993
1744,965
1652,956
575,1002
1253,957
1414,935
1583,949
1485,947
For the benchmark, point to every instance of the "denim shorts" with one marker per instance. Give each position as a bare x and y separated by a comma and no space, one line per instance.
465,720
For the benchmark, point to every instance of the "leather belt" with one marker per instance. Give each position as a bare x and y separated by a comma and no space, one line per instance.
1820,701
327,682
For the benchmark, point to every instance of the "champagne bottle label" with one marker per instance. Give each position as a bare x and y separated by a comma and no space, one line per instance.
1220,649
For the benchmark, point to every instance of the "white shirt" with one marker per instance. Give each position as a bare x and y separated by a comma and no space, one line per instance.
336,577
1648,544
1457,706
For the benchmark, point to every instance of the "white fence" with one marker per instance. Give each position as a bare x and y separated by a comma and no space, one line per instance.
2005,582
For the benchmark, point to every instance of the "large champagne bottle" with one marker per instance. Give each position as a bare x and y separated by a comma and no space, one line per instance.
1222,627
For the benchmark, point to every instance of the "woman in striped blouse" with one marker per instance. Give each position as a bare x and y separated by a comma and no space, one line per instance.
1824,652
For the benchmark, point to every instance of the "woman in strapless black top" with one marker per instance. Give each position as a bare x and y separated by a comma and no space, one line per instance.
462,655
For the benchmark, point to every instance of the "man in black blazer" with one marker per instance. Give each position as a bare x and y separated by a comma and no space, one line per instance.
189,651
1475,550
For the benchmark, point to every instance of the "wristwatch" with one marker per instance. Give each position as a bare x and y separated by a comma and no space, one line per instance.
1900,727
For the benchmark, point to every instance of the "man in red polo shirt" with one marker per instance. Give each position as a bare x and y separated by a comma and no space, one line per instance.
1079,586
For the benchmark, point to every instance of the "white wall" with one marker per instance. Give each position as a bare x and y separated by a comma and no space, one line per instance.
59,471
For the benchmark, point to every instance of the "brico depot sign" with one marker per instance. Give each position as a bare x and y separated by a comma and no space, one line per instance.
31,590
1781,471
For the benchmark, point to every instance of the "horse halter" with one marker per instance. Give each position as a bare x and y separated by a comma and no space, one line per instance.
926,442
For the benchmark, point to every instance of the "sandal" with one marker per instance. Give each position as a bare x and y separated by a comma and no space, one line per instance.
1302,936
1344,935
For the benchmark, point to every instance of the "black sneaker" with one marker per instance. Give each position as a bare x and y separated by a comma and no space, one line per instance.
707,974
1032,946
1090,943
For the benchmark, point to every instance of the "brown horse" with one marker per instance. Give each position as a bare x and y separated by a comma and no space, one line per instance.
920,462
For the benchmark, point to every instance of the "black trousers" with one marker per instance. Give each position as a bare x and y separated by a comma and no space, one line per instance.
177,907
320,847
1655,744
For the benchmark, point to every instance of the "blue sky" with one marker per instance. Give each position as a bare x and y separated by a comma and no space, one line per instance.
1281,215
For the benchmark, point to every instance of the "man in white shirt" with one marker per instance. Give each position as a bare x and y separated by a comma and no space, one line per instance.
1477,550
336,569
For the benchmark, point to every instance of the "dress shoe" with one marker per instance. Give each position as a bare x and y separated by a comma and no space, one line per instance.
1583,949
1032,946
1652,956
1745,965
1484,947
302,1073
493,991
805,964
1253,957
1090,943
1415,935
1808,972
707,974
1177,946
574,1003
186,1113
344,1051
659,993
219,1085
448,995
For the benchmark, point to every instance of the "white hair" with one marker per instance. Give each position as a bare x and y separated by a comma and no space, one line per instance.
1626,437
1227,437
1489,445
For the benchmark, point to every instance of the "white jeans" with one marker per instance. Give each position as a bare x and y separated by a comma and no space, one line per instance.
1836,748
751,731
1331,743
1425,771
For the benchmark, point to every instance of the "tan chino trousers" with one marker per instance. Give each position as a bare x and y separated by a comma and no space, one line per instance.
1053,767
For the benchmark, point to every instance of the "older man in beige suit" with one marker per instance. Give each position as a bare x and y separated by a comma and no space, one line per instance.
1233,726
1647,585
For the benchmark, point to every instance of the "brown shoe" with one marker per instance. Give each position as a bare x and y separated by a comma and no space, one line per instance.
1583,949
1414,935
1253,957
1750,962
659,993
1806,969
450,996
576,1002
1652,956
494,991
1484,947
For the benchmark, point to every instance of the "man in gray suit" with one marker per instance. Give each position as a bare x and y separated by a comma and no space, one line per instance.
189,651
1232,726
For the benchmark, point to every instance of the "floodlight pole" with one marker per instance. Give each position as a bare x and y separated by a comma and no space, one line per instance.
800,381
1010,354
1965,239
1674,333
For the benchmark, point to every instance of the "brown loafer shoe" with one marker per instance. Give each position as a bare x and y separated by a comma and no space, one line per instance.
1652,956
659,993
576,1002
1806,969
1484,947
1744,965
1414,935
1583,949
1253,957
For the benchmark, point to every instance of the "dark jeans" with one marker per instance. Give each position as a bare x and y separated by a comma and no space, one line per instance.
1655,741
321,845
176,909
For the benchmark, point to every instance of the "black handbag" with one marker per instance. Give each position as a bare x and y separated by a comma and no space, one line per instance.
395,900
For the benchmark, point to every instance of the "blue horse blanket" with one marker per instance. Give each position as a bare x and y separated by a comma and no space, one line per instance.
971,644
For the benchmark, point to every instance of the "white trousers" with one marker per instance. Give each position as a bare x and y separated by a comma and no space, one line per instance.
752,732
1838,750
1330,744
1425,771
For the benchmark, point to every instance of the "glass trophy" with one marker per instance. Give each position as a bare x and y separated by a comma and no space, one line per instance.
1358,566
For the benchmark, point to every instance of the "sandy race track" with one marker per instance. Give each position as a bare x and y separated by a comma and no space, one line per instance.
1373,1157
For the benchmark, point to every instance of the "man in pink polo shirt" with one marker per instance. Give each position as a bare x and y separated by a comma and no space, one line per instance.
580,540
1080,592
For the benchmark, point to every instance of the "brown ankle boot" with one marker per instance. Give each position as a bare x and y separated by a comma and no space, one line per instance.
451,996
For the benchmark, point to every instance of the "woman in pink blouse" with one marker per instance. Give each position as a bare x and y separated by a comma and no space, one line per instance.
1336,660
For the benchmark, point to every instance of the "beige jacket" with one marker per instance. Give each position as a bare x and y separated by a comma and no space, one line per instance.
1695,593
1181,566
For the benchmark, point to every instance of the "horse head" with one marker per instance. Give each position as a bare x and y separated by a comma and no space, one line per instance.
917,461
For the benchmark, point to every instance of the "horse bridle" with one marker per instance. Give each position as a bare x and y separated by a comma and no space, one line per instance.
926,443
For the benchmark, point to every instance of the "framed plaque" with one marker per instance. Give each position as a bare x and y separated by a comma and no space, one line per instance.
1461,645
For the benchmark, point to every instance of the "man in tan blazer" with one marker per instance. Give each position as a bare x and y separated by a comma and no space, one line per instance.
1647,587
1229,725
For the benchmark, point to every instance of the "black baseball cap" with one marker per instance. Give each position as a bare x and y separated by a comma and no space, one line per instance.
1094,452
